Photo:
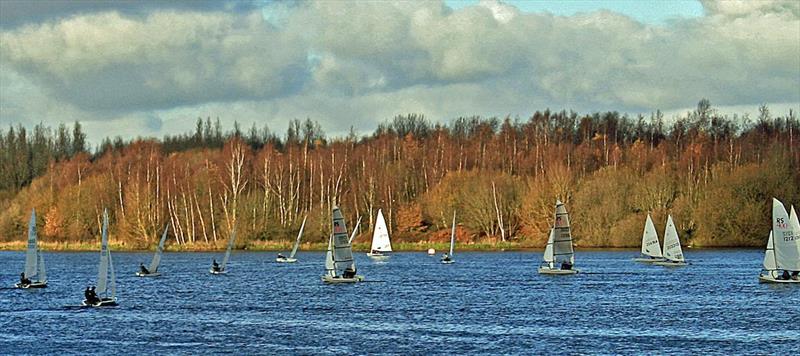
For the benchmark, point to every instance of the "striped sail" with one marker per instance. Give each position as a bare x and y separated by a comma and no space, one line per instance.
672,243
650,245
32,252
105,257
228,251
159,250
380,235
562,237
785,238
453,235
342,250
299,235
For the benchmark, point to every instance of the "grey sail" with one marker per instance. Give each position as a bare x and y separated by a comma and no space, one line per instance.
102,270
299,235
159,250
32,252
228,251
42,270
342,250
453,235
562,237
112,285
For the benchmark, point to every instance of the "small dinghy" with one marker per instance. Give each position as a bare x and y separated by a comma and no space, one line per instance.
291,259
380,239
221,269
447,258
34,275
782,257
152,270
559,256
339,264
651,250
105,294
673,254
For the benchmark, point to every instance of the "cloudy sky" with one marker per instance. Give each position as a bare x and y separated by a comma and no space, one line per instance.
149,68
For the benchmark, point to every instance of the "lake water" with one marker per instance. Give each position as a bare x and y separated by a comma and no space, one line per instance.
485,303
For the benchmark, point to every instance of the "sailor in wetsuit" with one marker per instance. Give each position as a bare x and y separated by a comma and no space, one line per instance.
349,273
215,266
143,269
566,265
445,257
23,281
280,255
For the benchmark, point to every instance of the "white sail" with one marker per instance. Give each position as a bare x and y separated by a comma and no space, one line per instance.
672,243
330,268
650,245
228,251
562,236
31,254
299,235
355,229
342,250
42,270
786,239
380,235
102,270
548,250
769,255
453,235
159,250
112,285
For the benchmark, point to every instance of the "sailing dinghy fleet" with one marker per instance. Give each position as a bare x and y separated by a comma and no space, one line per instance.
782,256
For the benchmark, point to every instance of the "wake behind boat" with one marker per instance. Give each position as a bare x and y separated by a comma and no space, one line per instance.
447,258
105,294
291,259
34,275
381,245
152,270
673,254
782,257
651,250
559,256
339,264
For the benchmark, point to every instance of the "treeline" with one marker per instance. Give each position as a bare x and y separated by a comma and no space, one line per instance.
715,174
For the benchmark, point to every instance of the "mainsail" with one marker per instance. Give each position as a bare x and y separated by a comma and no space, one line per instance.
228,251
650,246
299,235
672,244
453,235
32,253
562,237
380,235
342,250
159,250
105,262
786,238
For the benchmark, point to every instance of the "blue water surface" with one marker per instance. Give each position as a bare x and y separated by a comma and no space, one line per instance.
485,303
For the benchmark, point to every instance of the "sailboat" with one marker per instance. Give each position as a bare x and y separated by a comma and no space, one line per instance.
673,254
339,264
152,270
559,256
34,261
220,269
106,279
291,259
447,258
651,250
783,247
380,239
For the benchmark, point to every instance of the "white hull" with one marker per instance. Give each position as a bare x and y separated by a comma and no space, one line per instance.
377,256
671,264
154,274
648,260
336,280
217,272
769,279
447,262
285,260
32,285
105,302
553,271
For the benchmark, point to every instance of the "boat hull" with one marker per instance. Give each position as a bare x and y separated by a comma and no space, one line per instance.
553,271
377,256
217,272
154,274
447,262
338,279
33,285
285,260
648,260
105,302
670,264
769,279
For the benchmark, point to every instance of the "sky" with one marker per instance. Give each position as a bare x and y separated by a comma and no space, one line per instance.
151,68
